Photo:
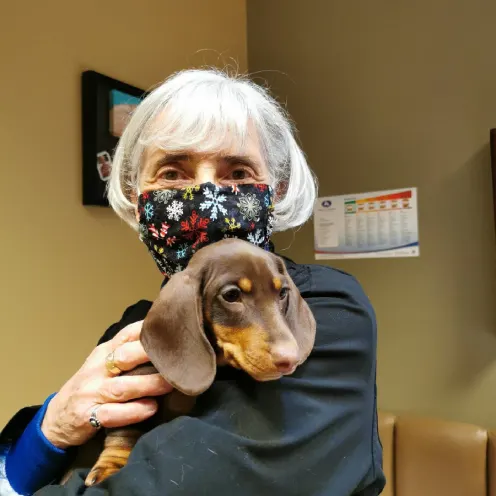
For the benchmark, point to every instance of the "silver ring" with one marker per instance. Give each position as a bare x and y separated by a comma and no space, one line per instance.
94,419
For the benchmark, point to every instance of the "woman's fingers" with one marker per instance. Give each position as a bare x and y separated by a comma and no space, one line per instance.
129,333
125,388
123,414
129,355
135,354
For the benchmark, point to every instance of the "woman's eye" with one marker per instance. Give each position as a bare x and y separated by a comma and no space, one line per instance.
232,295
283,293
239,174
170,175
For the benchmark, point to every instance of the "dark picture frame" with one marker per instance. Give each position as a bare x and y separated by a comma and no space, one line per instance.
106,106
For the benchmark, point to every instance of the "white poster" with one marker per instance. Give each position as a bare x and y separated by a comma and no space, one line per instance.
367,225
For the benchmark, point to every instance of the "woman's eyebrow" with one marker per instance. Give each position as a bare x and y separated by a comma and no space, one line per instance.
241,159
170,158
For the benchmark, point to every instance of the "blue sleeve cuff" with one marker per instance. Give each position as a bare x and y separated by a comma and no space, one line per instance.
33,461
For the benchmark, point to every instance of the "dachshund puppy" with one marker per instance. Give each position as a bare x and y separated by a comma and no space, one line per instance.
235,304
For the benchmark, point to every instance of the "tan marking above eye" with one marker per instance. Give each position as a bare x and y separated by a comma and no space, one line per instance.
245,285
277,283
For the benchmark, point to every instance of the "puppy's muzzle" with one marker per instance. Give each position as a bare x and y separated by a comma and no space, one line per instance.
285,358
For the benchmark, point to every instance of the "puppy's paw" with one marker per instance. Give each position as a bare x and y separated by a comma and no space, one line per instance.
99,474
109,463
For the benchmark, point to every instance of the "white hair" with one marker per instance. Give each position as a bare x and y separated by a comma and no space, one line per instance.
205,108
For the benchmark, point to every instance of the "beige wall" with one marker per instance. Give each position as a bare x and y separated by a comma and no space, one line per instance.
392,94
68,271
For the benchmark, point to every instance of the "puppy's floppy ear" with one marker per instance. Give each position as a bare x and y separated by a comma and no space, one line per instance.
298,315
173,335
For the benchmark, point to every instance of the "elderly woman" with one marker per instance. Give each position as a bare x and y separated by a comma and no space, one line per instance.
213,136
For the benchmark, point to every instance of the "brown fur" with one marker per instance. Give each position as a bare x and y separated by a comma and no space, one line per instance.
190,307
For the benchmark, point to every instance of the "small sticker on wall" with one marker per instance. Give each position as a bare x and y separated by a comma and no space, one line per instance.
103,165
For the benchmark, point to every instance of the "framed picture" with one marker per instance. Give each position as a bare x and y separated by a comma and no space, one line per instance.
106,107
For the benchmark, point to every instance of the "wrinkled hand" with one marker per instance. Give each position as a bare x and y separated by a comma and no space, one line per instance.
120,398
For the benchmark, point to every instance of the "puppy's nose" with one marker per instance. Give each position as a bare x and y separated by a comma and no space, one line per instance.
285,358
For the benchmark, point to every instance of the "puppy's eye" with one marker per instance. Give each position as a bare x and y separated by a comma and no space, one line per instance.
232,295
283,293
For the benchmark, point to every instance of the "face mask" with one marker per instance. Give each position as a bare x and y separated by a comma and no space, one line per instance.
176,223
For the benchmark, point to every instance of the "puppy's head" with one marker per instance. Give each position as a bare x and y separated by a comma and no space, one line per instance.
235,304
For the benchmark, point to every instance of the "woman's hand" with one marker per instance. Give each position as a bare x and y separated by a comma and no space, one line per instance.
119,398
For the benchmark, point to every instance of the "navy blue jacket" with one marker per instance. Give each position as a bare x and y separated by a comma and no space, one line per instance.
312,433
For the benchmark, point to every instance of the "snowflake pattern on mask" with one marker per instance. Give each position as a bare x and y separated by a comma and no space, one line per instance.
163,195
270,226
214,201
250,207
176,223
175,210
257,237
181,253
231,224
149,211
143,231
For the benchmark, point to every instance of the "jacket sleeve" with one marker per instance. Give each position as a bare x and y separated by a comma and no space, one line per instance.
8,437
312,433
32,461
5,488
